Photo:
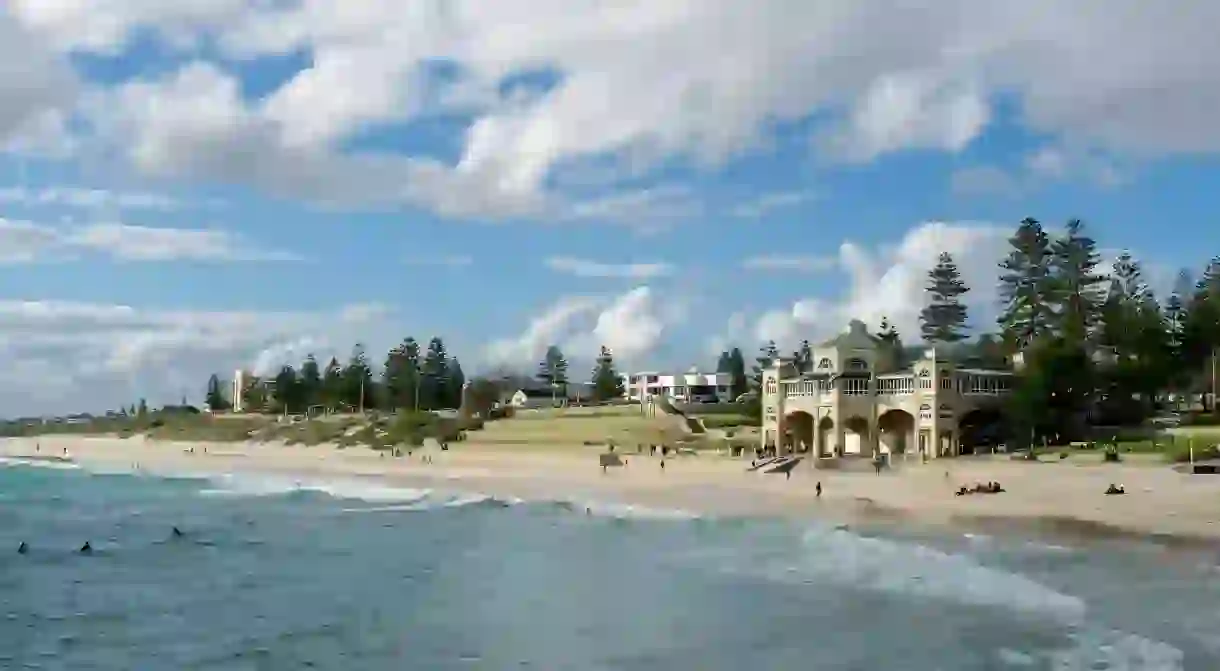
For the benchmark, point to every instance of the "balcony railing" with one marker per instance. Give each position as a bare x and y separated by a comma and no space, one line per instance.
966,384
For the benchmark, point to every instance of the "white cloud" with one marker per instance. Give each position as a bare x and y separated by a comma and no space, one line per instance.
890,284
1119,76
35,85
28,242
589,268
770,202
792,263
70,356
84,198
631,324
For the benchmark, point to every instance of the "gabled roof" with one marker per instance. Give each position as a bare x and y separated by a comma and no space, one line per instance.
856,337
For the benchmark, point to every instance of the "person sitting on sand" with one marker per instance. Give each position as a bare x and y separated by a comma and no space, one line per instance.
963,491
1113,489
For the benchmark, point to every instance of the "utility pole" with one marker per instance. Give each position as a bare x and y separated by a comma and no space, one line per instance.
361,392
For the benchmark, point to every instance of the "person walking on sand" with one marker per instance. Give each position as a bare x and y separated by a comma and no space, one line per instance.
818,489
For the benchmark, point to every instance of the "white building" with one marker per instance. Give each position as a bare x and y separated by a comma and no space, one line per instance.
689,387
237,399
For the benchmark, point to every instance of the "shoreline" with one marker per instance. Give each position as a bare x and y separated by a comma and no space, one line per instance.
1046,500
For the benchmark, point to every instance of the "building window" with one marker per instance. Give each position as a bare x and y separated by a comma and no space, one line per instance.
825,364
946,382
925,379
857,364
855,386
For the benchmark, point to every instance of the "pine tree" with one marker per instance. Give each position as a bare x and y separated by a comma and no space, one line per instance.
737,373
435,375
1077,285
607,384
553,370
311,383
767,355
215,398
1025,285
724,363
891,342
457,380
287,389
332,385
943,318
400,374
803,357
142,409
357,380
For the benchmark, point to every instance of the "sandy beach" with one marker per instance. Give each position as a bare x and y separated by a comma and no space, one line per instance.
1055,497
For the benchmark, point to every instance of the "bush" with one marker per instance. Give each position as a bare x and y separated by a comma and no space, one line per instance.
1201,419
1179,452
729,421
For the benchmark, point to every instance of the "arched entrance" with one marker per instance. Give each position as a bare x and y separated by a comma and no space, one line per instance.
800,432
896,430
855,437
981,430
826,432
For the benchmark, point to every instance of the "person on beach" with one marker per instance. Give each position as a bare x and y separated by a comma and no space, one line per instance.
818,489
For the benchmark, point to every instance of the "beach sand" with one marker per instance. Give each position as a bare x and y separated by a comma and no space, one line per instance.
1061,498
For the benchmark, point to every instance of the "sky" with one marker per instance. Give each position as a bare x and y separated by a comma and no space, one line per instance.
202,185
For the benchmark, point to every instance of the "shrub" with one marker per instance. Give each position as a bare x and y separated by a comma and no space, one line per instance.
1201,419
1179,452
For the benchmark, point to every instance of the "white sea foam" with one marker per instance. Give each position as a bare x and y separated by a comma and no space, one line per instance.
625,511
1098,648
230,484
38,463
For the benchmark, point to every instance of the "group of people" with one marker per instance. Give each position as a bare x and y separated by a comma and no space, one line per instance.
980,488
87,548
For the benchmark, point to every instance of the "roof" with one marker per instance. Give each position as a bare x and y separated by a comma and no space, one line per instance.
856,337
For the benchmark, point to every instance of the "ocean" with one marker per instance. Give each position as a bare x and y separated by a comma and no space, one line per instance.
276,574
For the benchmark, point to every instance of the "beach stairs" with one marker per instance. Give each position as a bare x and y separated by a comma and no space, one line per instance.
692,424
763,463
781,465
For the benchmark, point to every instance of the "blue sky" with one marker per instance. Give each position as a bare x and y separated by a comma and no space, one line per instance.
210,185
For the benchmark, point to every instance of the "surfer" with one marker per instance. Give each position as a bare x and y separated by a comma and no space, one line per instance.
85,549
23,548
177,533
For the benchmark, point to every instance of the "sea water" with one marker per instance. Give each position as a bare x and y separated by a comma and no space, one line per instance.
273,573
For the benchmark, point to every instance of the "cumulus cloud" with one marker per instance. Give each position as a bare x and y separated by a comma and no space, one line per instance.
889,283
70,356
29,242
1120,76
631,324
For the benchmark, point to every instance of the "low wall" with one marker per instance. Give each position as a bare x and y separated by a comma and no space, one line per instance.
711,408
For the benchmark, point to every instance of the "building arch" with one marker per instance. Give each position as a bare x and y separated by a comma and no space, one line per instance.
981,429
800,435
895,431
856,437
856,364
826,436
